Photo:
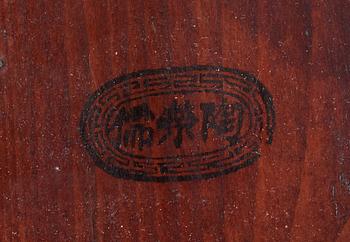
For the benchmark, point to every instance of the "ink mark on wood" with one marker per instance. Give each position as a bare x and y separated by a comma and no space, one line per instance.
2,63
178,123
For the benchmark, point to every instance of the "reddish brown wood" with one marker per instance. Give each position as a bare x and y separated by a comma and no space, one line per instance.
56,53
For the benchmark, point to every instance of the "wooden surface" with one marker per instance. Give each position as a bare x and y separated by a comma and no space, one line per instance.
56,53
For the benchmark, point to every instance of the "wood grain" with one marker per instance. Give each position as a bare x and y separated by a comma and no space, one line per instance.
56,53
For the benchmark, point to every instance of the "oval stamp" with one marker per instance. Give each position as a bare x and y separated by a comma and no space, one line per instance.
178,123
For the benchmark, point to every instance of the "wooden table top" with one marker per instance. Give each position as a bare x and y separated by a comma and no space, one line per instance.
282,68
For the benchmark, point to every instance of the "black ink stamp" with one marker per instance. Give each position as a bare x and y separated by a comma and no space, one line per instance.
178,123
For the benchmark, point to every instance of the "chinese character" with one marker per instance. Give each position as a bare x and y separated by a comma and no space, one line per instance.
226,119
180,118
136,133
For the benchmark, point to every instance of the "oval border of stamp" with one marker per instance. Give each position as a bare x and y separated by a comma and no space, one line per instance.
268,124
